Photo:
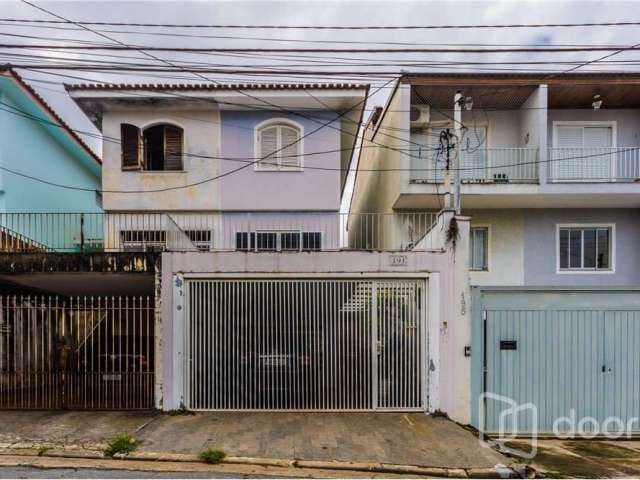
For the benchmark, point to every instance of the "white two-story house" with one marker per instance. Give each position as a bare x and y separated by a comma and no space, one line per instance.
270,296
550,178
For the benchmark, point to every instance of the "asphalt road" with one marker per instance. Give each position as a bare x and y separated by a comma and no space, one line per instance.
31,472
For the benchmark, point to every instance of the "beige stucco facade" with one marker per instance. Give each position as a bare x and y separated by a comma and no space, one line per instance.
201,139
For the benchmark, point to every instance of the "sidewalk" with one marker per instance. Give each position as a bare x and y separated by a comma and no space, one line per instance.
376,438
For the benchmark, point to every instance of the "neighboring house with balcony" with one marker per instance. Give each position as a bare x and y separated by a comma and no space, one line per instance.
550,169
36,142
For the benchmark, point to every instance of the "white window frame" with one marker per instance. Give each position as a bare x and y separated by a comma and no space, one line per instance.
582,271
488,259
613,124
279,240
268,167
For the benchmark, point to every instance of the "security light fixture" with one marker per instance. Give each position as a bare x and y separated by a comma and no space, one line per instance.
597,102
468,103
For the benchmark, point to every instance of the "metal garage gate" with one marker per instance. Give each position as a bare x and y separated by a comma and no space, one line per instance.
76,353
577,362
304,344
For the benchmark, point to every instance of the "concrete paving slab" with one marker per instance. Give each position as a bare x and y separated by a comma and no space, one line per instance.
394,438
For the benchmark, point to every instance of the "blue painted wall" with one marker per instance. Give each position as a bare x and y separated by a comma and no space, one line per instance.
32,148
540,246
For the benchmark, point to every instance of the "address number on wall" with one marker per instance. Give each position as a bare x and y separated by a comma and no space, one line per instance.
398,260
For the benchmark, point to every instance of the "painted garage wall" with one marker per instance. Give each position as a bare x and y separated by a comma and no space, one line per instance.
540,246
506,239
309,189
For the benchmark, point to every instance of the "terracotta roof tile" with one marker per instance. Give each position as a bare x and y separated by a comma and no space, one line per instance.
214,86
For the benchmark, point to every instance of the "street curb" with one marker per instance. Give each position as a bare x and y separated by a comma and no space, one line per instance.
500,471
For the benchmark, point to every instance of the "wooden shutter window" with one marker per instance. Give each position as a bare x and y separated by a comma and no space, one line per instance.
172,148
130,145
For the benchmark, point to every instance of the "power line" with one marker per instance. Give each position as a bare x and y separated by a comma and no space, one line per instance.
274,39
161,190
338,27
329,123
249,161
151,48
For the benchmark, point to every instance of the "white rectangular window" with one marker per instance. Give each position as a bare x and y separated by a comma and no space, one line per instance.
585,248
279,241
479,249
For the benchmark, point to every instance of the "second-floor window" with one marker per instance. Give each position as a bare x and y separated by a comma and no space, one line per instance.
585,248
279,146
155,148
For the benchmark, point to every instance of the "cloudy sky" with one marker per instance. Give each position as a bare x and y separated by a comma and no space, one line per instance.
314,14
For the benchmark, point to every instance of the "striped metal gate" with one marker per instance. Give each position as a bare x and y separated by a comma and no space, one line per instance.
573,363
76,353
299,344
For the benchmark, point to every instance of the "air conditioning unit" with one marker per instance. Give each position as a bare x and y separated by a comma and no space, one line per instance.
419,116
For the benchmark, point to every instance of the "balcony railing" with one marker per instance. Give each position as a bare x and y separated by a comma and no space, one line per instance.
609,164
482,165
182,232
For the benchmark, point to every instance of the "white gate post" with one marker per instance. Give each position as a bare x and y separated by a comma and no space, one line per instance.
179,304
460,330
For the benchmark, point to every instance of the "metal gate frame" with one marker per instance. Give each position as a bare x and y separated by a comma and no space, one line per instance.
79,353
480,328
428,343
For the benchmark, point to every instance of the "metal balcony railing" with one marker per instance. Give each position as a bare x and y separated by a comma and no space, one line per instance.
482,165
181,232
598,164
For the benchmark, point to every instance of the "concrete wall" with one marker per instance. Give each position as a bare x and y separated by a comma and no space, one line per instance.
505,250
540,247
448,307
201,137
27,147
523,250
308,189
377,191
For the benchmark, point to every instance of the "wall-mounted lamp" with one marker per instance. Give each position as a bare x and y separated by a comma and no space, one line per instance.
597,102
468,103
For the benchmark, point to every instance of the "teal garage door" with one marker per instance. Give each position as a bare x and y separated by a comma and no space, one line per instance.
559,361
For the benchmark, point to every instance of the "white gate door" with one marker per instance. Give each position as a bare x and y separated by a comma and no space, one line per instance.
293,344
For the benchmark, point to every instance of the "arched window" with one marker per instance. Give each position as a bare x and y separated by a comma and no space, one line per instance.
279,146
159,147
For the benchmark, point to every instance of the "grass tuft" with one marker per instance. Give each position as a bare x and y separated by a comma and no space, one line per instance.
212,455
121,443
43,451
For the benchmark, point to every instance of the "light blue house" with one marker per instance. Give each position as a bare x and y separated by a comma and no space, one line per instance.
36,142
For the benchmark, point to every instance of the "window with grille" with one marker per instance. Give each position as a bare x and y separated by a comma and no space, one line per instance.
478,259
143,240
279,241
200,238
279,146
585,248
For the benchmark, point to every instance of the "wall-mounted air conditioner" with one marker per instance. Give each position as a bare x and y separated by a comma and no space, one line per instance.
419,116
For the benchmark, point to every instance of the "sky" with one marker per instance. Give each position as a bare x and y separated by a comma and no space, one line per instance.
325,13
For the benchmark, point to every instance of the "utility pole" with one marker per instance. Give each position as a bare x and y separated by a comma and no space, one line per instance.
447,170
457,128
